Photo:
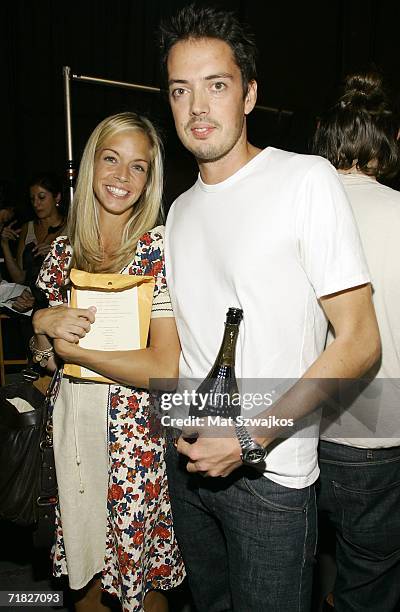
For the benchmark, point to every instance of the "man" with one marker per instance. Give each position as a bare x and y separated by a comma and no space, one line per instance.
359,491
270,232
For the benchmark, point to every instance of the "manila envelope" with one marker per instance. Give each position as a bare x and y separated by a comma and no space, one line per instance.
123,304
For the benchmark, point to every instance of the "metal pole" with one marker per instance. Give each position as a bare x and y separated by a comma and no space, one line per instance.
147,88
88,79
277,111
68,131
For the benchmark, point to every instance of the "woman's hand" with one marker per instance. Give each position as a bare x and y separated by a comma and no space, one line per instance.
24,302
136,367
63,322
9,233
65,350
41,250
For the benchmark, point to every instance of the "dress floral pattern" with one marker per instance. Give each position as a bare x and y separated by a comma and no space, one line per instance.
141,549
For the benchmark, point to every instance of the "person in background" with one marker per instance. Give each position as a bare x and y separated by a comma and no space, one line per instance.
7,214
34,238
7,203
359,490
270,232
104,445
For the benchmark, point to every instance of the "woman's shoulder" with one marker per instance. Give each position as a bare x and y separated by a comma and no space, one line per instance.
152,240
150,251
63,239
54,271
61,243
155,235
60,251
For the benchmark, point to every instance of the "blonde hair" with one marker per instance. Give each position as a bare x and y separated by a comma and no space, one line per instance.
83,225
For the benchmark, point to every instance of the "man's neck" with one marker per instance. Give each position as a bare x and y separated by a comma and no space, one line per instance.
213,172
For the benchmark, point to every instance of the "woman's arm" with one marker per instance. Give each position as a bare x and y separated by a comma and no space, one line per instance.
14,264
63,322
133,368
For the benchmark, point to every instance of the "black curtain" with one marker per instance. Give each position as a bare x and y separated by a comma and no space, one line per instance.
304,49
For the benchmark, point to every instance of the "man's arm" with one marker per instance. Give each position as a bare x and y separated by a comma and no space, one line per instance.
353,352
357,344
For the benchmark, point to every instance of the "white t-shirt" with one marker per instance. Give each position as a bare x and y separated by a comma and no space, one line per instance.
373,418
271,239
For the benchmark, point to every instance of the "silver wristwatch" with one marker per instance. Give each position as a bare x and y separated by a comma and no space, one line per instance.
252,452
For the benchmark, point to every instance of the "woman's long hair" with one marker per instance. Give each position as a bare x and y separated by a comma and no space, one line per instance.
83,222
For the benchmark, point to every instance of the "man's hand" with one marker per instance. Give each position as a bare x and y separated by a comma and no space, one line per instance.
211,456
63,322
24,302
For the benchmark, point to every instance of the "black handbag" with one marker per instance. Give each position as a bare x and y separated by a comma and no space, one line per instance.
28,485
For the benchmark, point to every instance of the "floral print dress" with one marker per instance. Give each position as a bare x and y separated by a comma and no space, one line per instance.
114,516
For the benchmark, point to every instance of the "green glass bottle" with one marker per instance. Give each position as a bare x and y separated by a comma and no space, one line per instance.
220,386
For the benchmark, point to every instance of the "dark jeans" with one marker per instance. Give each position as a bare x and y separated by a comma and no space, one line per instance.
359,495
248,543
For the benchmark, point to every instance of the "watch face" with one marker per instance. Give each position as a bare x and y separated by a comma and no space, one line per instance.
254,455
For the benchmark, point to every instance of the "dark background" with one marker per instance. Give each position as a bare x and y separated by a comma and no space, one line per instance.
304,50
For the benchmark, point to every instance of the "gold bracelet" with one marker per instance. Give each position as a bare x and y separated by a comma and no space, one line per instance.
40,356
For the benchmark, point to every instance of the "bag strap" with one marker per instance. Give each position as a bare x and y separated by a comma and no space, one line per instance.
48,406
32,375
47,495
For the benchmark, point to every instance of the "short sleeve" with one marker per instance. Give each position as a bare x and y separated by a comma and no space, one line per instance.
53,275
329,243
151,251
162,306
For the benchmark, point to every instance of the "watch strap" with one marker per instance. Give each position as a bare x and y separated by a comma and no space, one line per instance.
245,439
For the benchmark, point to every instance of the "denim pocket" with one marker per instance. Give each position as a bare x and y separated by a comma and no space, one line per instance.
277,497
371,518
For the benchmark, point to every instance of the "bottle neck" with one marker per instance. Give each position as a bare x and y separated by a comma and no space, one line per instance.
227,352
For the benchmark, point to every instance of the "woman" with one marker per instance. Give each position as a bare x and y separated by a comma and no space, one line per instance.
34,238
102,441
360,446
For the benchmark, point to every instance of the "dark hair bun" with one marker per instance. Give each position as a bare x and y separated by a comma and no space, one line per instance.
364,92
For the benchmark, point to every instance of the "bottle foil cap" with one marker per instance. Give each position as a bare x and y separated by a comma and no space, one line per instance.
234,316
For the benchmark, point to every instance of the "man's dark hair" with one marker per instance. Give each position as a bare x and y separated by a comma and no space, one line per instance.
362,127
193,22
